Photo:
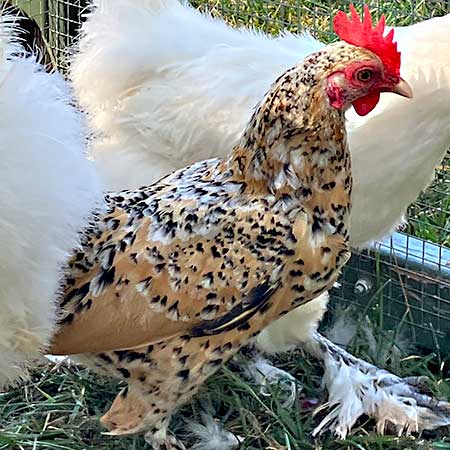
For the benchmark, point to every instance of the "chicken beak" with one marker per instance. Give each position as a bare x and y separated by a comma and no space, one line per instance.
403,88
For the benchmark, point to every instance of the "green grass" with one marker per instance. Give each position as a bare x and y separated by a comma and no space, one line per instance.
275,16
58,409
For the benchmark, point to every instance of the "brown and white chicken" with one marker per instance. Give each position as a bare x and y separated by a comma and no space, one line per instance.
184,90
173,279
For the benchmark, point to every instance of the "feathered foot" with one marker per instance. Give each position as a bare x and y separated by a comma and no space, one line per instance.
265,374
356,387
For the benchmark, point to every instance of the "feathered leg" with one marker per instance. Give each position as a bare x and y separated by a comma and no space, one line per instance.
133,411
146,404
160,377
137,409
285,334
356,387
266,374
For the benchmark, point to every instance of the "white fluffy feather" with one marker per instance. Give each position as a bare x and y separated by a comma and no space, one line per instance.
182,92
47,188
211,435
344,327
357,388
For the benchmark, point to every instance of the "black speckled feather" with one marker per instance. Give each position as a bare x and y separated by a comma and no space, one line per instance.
172,279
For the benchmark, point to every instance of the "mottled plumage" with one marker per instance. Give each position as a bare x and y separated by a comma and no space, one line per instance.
189,91
174,278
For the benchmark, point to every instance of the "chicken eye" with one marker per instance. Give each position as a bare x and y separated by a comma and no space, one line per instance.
364,75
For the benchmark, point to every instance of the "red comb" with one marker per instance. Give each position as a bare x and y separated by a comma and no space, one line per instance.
363,34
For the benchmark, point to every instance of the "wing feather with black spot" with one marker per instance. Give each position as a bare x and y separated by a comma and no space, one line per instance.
144,276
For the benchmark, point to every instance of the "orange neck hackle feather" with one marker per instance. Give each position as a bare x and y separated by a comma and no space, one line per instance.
363,34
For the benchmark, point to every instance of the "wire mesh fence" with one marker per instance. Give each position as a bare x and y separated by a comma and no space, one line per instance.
274,16
402,282
59,20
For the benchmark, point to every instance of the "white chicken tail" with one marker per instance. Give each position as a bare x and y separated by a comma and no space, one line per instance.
181,85
47,189
128,41
123,39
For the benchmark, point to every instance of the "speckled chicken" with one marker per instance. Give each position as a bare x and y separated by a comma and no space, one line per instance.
185,89
172,279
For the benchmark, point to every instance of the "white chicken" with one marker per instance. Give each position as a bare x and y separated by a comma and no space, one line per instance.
182,85
47,187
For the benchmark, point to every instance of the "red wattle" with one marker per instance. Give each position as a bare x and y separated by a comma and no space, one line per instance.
364,105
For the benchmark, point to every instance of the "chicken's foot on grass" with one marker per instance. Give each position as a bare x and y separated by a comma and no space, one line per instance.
356,387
